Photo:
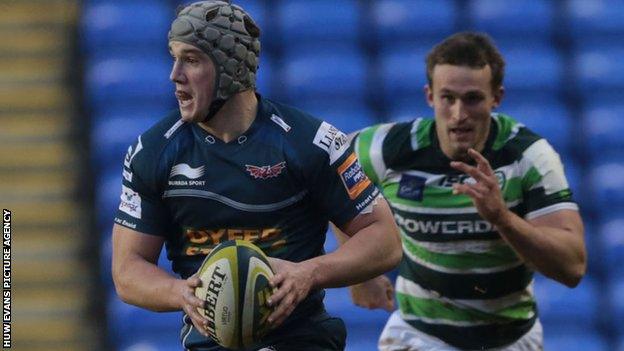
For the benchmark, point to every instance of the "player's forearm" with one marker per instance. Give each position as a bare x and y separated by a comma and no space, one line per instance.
373,250
144,284
558,253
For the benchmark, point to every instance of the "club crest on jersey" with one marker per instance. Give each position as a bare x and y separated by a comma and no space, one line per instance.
265,172
352,176
411,187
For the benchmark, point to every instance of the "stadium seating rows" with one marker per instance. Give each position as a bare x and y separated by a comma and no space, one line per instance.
356,63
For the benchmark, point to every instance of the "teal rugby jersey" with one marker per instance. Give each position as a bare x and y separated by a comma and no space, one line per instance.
277,185
459,280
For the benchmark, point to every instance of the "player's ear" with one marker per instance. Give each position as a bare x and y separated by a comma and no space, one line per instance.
498,96
428,95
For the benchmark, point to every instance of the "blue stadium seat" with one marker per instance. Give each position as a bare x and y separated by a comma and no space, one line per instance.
548,118
318,21
528,20
127,323
607,185
330,73
534,67
573,172
348,116
138,24
403,73
405,108
599,67
128,80
612,246
597,265
596,18
586,341
265,75
413,20
565,310
331,244
603,125
617,301
167,342
106,258
111,137
155,111
107,196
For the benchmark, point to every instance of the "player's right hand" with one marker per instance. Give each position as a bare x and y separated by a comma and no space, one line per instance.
292,282
191,303
375,293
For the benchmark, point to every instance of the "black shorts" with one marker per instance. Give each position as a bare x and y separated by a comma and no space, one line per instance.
320,332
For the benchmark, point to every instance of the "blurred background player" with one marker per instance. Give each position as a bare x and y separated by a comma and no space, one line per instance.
481,202
233,165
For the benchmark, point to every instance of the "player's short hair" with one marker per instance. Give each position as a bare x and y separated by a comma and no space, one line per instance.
471,49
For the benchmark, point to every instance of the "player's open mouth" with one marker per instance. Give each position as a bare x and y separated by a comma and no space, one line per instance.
461,132
184,98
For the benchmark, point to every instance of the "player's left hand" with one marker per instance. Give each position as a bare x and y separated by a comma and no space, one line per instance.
292,282
374,293
485,191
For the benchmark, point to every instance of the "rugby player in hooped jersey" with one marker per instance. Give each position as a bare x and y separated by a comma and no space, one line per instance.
231,164
481,202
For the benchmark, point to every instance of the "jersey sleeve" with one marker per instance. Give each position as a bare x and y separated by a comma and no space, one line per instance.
337,183
141,207
368,146
544,185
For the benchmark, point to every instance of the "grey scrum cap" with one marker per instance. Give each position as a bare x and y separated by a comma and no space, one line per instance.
229,36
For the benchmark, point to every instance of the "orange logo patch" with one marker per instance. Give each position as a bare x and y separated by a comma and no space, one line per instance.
352,176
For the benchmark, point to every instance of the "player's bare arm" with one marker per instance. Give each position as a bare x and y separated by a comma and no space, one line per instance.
373,293
139,280
553,243
373,248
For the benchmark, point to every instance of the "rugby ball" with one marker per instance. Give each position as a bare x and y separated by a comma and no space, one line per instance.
235,285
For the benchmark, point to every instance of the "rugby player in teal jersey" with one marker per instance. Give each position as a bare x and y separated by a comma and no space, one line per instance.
481,202
231,164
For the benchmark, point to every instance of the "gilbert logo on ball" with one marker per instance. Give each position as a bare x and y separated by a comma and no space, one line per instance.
235,285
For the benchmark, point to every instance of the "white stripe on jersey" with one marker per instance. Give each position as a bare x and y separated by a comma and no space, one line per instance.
172,130
462,246
413,133
410,317
467,270
551,209
375,152
410,288
435,210
547,162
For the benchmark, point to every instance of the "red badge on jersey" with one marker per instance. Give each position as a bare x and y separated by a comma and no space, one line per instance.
264,172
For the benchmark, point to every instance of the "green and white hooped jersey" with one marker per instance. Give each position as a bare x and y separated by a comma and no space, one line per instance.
459,280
